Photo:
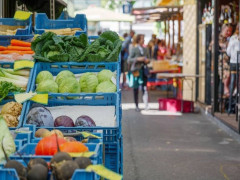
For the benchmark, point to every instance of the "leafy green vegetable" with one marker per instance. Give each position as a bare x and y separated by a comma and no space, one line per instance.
110,35
6,88
52,48
7,139
47,86
63,75
88,82
106,87
105,75
43,76
69,85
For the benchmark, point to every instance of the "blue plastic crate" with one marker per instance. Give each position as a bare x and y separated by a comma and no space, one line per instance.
8,65
42,22
28,152
22,138
110,134
113,156
21,34
76,68
10,97
11,174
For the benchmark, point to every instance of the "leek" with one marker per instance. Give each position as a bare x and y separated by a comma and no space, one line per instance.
5,74
22,84
18,72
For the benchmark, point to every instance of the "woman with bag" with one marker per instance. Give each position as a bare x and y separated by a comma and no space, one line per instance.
138,72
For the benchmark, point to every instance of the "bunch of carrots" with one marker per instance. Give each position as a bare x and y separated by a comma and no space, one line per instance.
17,46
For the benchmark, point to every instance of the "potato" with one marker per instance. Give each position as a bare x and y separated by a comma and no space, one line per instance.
42,132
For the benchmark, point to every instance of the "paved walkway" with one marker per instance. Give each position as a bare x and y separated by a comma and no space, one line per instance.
172,146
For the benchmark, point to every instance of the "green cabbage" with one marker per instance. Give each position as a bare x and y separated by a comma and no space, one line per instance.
43,76
88,83
105,75
106,87
63,75
69,85
47,86
7,140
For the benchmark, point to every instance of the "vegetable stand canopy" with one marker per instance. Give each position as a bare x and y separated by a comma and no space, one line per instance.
100,14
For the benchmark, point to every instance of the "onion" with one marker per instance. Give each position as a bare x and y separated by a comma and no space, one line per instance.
63,121
85,121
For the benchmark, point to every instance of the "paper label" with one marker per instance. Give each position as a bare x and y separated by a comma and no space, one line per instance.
22,15
85,154
22,64
22,97
113,79
40,98
104,172
87,134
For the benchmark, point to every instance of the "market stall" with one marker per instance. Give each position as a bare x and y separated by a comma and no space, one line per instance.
61,107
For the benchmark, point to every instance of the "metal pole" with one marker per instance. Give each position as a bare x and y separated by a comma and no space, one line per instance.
215,59
52,9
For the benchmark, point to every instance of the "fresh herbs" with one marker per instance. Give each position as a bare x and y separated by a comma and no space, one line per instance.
7,87
52,48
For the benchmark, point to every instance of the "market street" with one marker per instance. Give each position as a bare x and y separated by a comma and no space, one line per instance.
181,147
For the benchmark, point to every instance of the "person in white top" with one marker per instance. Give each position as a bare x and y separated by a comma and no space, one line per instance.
232,52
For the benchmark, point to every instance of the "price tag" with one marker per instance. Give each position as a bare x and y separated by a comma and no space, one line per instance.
104,172
23,64
85,154
40,98
22,97
87,134
113,79
22,15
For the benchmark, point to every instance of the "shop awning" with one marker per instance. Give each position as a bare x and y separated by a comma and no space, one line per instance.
100,14
158,13
170,2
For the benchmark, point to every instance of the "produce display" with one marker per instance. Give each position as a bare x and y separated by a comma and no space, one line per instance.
64,31
6,140
61,165
9,30
10,113
52,48
18,47
67,82
42,117
13,81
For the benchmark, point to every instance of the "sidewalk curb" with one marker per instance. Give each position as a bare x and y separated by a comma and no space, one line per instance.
221,125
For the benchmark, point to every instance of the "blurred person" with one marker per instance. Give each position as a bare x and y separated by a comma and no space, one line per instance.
125,54
151,45
155,51
232,49
162,52
138,76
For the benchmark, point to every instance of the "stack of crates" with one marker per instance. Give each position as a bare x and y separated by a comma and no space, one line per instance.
109,149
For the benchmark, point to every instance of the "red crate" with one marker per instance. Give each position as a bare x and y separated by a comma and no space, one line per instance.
174,105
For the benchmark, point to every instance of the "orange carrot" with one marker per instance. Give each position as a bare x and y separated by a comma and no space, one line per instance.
15,42
18,52
19,48
2,48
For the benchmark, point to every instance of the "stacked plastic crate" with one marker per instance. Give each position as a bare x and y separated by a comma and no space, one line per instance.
109,150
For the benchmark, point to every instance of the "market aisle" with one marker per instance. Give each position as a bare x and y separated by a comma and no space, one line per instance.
176,147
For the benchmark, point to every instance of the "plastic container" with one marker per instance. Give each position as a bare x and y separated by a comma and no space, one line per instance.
11,174
42,22
174,105
10,97
22,138
28,152
76,68
110,134
21,34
